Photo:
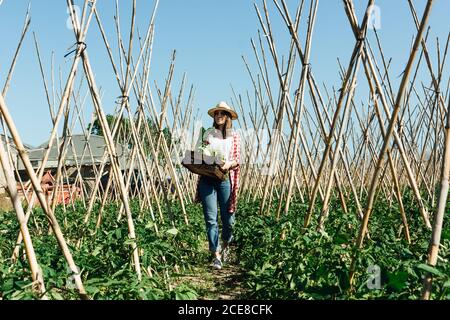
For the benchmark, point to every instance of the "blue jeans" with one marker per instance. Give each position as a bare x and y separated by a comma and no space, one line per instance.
212,191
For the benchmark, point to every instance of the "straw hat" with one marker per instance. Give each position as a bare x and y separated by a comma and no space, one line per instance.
224,107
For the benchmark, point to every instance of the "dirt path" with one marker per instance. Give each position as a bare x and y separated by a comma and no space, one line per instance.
211,284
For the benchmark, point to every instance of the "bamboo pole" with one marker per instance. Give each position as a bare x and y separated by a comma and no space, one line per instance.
435,240
109,142
36,271
368,65
392,122
300,96
65,97
346,89
38,190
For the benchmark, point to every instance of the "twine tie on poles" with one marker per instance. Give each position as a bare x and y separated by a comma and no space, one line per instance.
78,43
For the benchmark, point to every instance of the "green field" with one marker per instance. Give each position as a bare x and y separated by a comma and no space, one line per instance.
271,259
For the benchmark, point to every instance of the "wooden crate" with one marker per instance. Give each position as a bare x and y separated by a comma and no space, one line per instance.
203,165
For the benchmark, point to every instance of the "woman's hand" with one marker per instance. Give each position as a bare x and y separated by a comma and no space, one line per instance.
228,165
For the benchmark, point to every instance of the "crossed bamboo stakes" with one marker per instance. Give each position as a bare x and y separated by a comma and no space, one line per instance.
338,160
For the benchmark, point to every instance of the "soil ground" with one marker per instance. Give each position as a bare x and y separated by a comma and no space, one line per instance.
211,284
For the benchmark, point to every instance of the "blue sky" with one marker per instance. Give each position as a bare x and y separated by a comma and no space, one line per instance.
210,37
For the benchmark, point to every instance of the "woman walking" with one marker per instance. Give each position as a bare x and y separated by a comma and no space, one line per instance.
222,139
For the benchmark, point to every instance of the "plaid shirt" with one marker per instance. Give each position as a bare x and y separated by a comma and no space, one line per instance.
235,154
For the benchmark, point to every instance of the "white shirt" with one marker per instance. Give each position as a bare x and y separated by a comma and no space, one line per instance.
216,143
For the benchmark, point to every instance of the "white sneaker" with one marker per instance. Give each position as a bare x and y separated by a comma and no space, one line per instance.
217,264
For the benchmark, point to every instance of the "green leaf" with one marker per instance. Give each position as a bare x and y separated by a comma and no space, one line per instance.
8,285
56,295
398,280
18,295
447,284
341,239
407,251
173,231
430,269
96,251
94,281
446,234
130,241
92,290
